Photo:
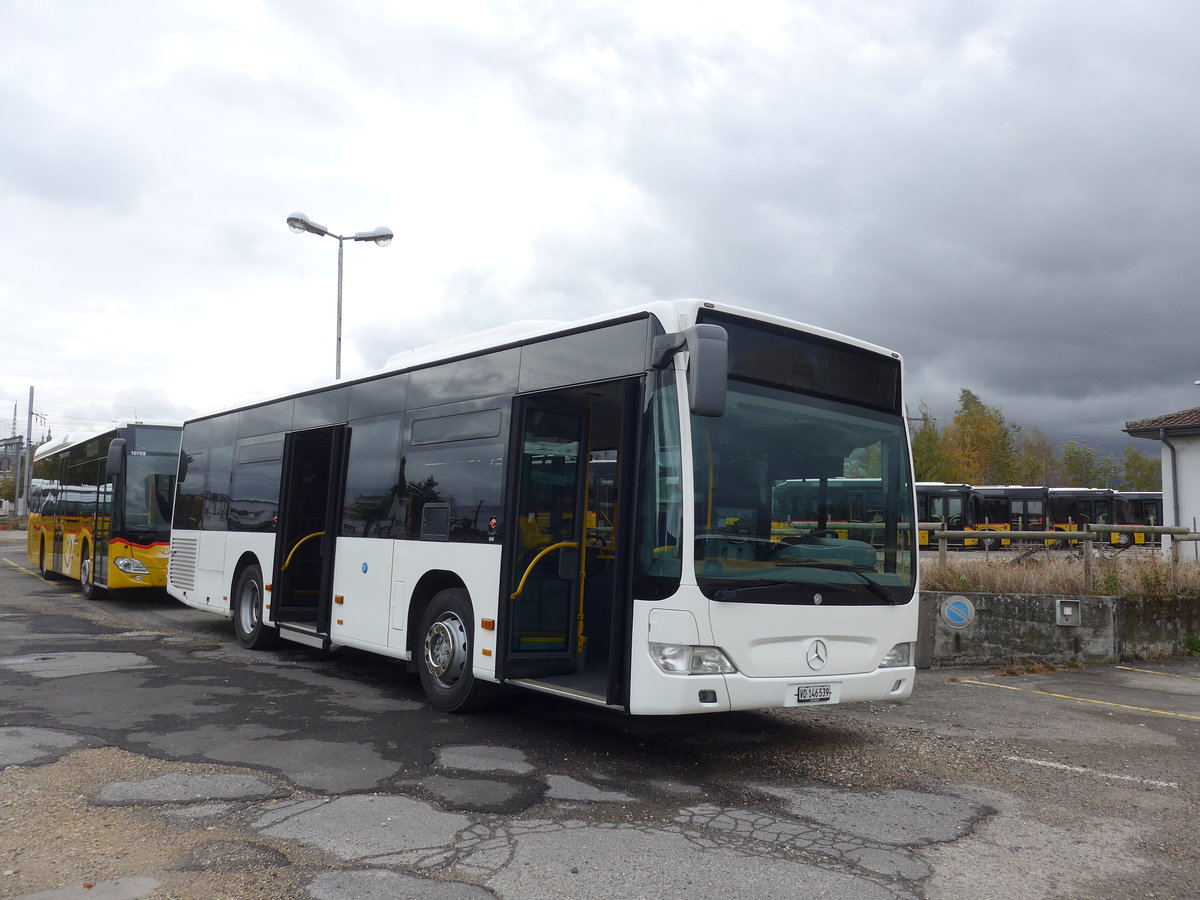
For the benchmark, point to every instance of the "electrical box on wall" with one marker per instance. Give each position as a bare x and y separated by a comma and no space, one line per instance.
1068,612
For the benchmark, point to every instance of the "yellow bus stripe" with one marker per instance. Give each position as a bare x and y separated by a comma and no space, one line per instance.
1157,712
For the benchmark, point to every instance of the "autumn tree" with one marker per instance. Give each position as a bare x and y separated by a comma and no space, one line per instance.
982,443
1083,466
1140,472
1037,460
931,456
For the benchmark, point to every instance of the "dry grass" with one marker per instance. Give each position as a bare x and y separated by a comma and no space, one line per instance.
1129,574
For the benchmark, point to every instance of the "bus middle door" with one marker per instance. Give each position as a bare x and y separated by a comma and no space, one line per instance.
314,465
543,589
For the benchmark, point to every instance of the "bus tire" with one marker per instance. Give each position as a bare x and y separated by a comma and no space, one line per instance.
990,543
1124,539
252,632
445,653
87,577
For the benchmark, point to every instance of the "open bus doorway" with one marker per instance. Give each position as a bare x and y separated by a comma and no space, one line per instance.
302,586
566,591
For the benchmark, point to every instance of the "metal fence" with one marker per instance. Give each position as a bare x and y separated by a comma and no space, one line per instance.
1087,538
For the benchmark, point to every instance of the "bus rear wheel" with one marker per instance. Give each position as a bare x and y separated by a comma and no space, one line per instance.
87,577
252,632
446,654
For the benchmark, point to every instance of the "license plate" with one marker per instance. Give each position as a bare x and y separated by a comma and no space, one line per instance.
799,694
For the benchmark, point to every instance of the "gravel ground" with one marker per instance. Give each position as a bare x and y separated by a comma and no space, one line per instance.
52,833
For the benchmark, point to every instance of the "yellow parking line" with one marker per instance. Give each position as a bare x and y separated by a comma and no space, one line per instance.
1155,672
35,574
1157,712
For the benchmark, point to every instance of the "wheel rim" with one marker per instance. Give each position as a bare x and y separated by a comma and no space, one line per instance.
248,606
85,573
446,649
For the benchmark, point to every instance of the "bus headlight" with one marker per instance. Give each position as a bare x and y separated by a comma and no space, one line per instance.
900,655
131,566
686,659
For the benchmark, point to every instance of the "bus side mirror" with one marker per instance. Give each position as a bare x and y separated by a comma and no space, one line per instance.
708,365
116,457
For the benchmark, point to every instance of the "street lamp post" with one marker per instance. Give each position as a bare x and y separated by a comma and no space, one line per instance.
382,236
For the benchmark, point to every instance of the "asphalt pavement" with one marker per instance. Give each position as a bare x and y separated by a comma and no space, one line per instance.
144,754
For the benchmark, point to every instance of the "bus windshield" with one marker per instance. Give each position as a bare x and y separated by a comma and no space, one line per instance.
153,456
802,499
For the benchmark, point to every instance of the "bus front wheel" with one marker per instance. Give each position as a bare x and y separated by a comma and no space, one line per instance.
87,577
445,653
252,632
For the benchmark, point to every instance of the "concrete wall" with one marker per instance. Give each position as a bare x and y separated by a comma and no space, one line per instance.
1149,627
996,629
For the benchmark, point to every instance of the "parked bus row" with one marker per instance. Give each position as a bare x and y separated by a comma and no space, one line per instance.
1000,508
681,508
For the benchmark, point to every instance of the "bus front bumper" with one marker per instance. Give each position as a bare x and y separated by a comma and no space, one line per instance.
676,694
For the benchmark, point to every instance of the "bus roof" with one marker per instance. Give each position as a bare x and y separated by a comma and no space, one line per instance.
674,315
73,439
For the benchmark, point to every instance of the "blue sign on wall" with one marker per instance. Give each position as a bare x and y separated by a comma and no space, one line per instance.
958,611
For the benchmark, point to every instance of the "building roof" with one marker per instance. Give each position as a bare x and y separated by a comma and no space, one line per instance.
1184,422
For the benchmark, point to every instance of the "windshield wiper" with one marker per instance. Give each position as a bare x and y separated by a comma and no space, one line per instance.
736,593
879,590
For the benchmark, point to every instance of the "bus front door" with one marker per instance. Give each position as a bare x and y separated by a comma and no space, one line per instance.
564,615
309,513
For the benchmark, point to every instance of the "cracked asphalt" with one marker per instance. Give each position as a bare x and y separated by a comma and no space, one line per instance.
144,754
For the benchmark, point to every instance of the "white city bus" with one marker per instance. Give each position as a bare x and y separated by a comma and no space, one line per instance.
584,510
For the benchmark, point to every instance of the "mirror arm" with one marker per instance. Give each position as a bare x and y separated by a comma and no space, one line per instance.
666,346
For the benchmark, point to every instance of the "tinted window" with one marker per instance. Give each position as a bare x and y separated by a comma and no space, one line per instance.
154,440
379,397
193,472
254,490
254,496
480,376
595,355
220,465
326,408
270,419
795,361
460,427
371,506
469,476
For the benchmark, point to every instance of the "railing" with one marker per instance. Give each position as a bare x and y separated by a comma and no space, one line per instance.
1087,537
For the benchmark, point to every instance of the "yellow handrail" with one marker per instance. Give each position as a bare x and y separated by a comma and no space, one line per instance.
536,560
287,562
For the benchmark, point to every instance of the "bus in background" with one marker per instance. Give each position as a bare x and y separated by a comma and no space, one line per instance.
845,507
953,507
100,510
583,510
1013,507
1138,508
1073,509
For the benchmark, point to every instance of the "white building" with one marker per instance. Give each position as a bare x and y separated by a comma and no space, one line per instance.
1179,436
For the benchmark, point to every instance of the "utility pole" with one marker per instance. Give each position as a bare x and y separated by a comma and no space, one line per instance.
28,453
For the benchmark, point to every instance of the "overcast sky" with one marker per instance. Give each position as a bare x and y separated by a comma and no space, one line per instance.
1004,192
